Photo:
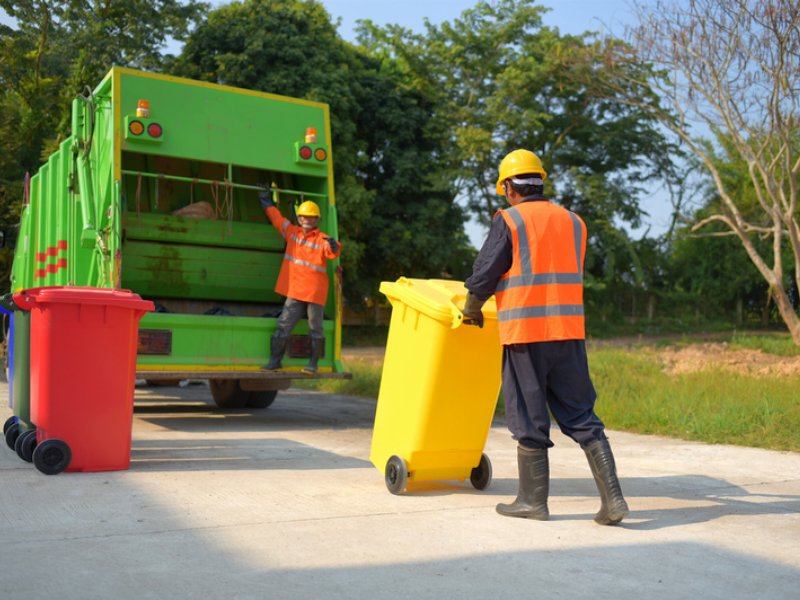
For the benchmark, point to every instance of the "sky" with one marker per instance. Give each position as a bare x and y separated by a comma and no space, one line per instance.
569,16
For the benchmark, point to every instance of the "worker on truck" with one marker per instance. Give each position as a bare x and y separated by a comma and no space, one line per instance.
532,261
303,278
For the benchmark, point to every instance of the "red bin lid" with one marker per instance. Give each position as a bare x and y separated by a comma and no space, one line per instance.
81,295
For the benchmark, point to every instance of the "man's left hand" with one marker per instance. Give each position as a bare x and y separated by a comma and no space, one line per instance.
333,244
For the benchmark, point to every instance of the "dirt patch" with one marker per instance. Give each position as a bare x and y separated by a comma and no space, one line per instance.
701,357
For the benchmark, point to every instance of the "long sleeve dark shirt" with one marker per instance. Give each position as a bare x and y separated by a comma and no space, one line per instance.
494,258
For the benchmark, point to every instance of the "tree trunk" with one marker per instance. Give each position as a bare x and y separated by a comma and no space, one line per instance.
739,311
787,313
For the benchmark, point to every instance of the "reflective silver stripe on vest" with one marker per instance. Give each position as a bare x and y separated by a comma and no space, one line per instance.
576,224
283,228
305,242
304,263
522,238
530,312
538,279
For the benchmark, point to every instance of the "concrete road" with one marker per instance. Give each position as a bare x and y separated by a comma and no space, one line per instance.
284,503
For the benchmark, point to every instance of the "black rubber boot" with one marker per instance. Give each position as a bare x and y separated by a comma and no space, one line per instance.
534,486
317,352
277,347
613,507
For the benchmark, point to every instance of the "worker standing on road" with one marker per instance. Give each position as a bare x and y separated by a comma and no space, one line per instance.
303,278
533,261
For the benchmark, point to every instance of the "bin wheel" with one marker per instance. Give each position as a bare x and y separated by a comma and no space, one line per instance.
52,456
481,476
9,422
261,398
25,445
12,433
396,475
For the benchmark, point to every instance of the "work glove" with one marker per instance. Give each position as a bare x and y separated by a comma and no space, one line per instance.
333,244
265,198
472,311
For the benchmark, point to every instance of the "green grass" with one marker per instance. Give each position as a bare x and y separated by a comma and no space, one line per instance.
777,343
636,395
365,382
716,407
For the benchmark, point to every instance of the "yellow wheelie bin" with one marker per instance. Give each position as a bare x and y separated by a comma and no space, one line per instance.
439,387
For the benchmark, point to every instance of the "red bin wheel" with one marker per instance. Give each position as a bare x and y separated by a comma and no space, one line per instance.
52,456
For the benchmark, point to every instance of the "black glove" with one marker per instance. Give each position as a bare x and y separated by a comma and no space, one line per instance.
333,244
265,198
472,311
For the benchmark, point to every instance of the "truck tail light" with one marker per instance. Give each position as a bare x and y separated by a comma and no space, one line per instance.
136,127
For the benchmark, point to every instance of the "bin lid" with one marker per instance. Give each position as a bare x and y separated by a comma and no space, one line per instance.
26,299
440,299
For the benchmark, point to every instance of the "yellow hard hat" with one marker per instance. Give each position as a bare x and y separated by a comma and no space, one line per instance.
519,162
308,209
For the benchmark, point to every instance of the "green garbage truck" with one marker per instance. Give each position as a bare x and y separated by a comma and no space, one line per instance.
156,191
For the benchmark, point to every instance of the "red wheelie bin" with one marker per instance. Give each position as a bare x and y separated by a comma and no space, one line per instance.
82,375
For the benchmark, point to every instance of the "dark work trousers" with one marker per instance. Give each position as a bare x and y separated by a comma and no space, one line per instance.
549,374
293,311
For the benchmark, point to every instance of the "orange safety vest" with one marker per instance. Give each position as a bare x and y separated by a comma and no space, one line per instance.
540,298
303,275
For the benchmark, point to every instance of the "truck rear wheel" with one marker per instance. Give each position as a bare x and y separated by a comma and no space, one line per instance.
261,398
227,393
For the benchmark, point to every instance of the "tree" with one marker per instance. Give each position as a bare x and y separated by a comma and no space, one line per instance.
728,69
53,52
500,80
503,81
397,215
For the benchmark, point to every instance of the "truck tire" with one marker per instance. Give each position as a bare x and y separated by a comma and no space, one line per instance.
163,382
228,394
262,398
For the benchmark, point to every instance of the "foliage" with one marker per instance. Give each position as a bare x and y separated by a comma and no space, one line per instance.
732,68
501,80
397,212
55,50
504,81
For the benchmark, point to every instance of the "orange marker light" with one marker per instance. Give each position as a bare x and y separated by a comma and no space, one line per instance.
143,109
136,127
320,154
311,135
